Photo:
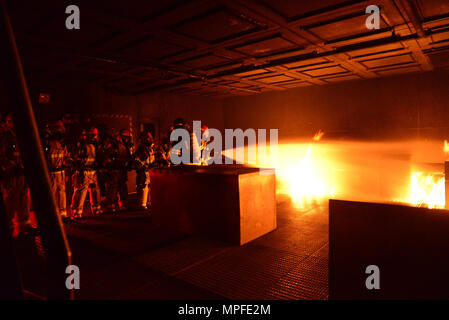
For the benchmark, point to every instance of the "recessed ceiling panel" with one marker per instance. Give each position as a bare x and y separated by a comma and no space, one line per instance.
265,46
89,34
215,26
293,8
325,71
388,61
204,61
430,8
440,59
252,73
101,65
306,63
294,84
151,48
338,29
398,71
376,50
274,79
287,54
238,85
342,78
135,9
441,36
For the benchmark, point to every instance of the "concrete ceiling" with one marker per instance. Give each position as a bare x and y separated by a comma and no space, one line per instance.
229,47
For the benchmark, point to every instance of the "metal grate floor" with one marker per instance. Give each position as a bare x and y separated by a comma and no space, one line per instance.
129,258
260,273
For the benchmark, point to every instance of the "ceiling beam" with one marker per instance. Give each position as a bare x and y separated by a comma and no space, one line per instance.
409,13
298,35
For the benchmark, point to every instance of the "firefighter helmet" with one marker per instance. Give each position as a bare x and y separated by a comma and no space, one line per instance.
179,123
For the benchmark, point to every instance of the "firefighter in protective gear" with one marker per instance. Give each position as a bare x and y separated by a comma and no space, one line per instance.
164,148
117,159
162,156
178,123
205,140
144,159
57,160
191,146
13,185
101,157
85,176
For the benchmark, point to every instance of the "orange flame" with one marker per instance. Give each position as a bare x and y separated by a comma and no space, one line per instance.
427,190
446,146
318,135
306,177
310,172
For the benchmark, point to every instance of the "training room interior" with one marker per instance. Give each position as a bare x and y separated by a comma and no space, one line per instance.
359,176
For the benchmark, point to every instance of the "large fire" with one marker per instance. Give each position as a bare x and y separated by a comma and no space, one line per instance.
305,181
311,171
306,178
427,190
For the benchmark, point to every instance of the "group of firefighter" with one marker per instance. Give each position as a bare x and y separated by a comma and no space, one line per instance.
89,163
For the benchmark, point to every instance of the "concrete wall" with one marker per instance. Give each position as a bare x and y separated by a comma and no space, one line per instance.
406,106
76,96
79,97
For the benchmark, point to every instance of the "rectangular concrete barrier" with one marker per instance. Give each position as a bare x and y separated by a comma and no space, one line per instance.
408,247
234,203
